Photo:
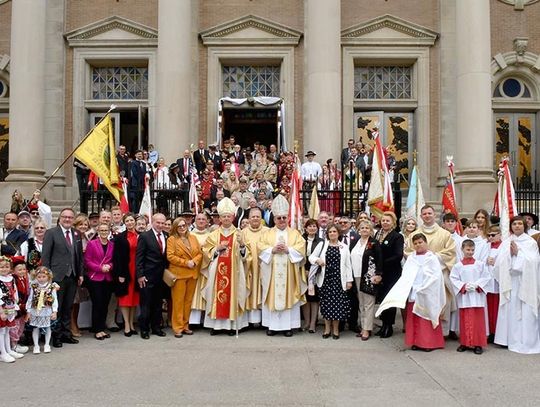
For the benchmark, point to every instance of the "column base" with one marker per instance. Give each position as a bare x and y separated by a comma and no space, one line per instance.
25,175
475,195
475,175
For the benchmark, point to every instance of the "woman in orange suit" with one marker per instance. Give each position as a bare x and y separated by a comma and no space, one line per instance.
185,257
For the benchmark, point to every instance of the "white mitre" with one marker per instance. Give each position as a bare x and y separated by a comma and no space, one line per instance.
226,205
280,206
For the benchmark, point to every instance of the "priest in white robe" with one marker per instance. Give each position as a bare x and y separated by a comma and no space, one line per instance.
516,270
282,254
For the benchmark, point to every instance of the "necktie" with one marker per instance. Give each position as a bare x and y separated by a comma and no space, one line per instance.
159,242
68,238
345,239
185,166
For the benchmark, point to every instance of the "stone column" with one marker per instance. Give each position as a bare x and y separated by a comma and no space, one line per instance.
27,93
174,62
474,147
322,90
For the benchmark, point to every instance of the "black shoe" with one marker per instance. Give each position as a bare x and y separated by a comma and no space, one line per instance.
334,336
159,333
232,332
326,335
145,335
57,343
311,331
69,339
128,334
114,329
388,332
269,332
461,348
414,347
452,335
133,332
491,338
380,331
478,350
288,333
214,332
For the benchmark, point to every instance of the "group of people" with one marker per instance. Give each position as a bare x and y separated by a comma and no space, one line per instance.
199,271
254,173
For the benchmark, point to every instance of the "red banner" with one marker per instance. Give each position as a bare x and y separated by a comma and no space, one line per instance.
223,282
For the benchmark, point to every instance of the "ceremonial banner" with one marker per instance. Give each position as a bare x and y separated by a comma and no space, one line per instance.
295,207
146,203
124,204
415,200
314,208
97,152
380,197
449,195
505,198
223,279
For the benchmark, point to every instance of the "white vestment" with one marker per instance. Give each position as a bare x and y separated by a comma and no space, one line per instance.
517,322
422,282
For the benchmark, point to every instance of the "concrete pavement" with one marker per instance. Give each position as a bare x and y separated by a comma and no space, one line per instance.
256,370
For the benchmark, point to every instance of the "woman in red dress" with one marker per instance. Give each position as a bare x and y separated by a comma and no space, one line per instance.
125,246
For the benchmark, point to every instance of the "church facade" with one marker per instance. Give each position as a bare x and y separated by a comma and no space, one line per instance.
443,78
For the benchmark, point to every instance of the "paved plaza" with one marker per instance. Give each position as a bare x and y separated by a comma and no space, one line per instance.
256,370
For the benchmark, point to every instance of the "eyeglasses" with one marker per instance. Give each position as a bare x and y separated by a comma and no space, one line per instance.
39,227
280,217
492,234
34,213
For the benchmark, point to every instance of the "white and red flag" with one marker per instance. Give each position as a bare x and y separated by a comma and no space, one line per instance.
449,195
505,198
146,203
124,204
193,196
295,207
380,198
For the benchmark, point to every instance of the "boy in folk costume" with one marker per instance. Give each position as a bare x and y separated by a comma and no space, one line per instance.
20,276
492,288
469,278
420,290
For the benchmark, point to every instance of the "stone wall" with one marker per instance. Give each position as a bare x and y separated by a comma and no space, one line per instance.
5,27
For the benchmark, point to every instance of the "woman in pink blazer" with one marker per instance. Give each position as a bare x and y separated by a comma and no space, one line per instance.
99,263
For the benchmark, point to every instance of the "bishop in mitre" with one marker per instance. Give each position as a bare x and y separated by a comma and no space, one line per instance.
282,254
225,292
252,235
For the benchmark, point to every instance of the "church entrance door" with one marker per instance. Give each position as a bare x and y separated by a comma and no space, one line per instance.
249,125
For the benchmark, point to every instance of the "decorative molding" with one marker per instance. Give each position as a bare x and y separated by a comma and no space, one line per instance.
4,62
388,30
3,1
258,31
520,45
519,4
527,59
129,33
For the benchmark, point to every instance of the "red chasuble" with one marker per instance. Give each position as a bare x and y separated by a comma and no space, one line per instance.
223,279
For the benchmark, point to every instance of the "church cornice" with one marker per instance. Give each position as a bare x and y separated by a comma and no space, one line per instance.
366,32
266,31
95,34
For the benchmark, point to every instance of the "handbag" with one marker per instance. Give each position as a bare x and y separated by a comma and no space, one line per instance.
366,286
169,278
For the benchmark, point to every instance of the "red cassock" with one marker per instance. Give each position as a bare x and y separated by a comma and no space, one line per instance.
493,311
472,327
419,331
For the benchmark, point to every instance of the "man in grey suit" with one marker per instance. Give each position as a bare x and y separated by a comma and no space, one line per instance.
62,253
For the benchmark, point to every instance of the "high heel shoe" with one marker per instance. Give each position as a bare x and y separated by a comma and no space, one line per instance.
334,336
326,335
128,334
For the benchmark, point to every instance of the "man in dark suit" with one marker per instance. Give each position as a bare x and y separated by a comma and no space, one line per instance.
239,155
346,153
123,161
12,238
136,174
215,157
218,187
62,253
350,238
185,164
150,262
200,157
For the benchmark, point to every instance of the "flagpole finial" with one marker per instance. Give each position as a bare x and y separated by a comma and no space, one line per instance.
415,156
113,106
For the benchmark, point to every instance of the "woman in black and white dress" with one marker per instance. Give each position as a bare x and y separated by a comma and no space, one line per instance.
333,280
310,309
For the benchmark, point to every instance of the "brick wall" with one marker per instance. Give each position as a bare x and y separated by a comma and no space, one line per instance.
80,13
5,27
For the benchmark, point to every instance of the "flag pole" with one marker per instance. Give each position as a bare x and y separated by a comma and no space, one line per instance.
75,149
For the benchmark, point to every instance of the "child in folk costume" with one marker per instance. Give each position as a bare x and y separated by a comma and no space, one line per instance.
8,310
42,306
20,276
420,290
469,278
492,288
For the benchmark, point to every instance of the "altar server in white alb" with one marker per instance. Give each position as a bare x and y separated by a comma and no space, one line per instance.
470,278
492,289
481,245
516,270
282,254
420,290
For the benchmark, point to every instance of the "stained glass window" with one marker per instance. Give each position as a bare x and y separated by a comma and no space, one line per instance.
113,83
248,81
383,82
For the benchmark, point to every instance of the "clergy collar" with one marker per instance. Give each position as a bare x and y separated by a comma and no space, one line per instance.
430,229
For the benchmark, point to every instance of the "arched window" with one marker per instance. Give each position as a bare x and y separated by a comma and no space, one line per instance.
512,88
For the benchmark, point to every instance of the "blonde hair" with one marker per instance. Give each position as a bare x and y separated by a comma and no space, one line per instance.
174,227
42,270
